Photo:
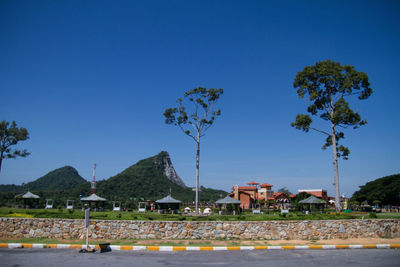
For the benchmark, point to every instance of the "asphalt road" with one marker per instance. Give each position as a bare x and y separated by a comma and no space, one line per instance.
298,258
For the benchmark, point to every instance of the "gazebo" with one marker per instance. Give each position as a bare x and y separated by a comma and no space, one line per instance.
29,199
168,203
313,201
228,201
93,198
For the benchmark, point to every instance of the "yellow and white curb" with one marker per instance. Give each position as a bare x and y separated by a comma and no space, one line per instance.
184,248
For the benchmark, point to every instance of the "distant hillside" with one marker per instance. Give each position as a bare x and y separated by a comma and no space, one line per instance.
60,184
65,178
385,189
152,178
62,179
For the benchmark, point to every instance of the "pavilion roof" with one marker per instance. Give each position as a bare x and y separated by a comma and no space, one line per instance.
228,200
168,199
312,200
93,197
29,195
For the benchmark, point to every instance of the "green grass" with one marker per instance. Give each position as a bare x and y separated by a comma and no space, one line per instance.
149,216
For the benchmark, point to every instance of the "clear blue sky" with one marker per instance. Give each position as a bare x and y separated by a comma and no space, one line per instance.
90,80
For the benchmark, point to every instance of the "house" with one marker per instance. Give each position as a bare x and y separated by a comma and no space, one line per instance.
282,200
246,194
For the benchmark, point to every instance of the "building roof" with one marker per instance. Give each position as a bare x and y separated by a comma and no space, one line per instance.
29,195
93,197
247,188
277,194
314,192
228,200
253,183
266,185
292,195
312,200
168,199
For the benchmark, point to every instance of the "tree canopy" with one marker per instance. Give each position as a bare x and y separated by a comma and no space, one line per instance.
10,135
385,190
328,85
195,118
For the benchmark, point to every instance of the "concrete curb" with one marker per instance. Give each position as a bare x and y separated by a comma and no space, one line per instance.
188,248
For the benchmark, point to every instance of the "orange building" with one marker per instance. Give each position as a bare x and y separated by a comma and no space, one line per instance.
253,193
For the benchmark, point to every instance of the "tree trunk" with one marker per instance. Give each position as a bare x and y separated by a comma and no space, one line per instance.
336,170
197,172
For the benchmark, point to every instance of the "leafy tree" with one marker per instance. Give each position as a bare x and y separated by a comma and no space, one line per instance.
328,84
382,191
10,135
195,118
285,190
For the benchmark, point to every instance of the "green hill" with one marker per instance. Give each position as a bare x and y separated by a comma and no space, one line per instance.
65,178
149,179
384,191
152,178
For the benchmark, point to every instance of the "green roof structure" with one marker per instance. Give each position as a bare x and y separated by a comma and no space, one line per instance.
168,200
228,200
312,200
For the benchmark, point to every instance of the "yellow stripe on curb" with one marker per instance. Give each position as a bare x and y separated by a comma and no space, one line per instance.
315,247
178,248
342,246
50,246
25,245
206,248
3,245
261,247
233,248
288,247
153,248
395,246
369,246
126,247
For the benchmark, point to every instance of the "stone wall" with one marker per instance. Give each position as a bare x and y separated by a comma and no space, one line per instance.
266,230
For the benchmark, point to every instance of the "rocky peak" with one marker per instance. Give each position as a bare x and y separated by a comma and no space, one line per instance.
163,163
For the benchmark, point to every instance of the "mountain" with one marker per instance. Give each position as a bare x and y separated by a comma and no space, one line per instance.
383,191
61,179
65,178
152,178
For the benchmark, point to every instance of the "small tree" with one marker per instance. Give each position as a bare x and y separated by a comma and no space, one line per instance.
10,136
195,119
285,190
327,85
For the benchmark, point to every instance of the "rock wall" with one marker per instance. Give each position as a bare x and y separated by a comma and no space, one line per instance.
266,230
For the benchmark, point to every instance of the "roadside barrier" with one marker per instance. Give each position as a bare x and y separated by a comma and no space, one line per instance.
188,248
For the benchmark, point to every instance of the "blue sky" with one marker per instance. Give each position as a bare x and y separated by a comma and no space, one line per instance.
90,80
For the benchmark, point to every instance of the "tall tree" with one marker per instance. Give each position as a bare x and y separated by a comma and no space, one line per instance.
10,135
328,84
194,118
